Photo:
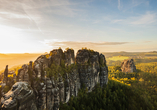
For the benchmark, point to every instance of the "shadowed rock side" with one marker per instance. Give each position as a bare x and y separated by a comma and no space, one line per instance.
128,66
48,88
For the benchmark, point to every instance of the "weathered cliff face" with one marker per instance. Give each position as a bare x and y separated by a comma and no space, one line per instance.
92,68
69,57
20,96
5,80
39,65
48,87
128,66
57,56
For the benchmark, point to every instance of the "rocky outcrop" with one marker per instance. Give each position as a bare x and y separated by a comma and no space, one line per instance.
20,97
90,68
5,80
128,66
40,64
69,57
56,56
53,78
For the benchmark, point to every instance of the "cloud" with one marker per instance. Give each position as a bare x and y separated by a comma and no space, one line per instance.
77,45
147,41
119,4
136,3
148,18
23,13
117,20
73,43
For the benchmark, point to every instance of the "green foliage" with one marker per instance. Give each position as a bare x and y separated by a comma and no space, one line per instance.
47,56
101,62
115,96
145,60
84,48
59,48
116,58
131,91
113,63
6,89
54,70
67,48
147,67
142,81
53,53
91,51
114,68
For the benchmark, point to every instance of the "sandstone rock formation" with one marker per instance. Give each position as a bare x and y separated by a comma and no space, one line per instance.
5,80
53,78
128,66
20,97
69,57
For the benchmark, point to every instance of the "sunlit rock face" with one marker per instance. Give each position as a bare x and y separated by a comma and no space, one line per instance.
47,92
128,66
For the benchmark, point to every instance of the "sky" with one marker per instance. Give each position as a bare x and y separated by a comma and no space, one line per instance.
37,26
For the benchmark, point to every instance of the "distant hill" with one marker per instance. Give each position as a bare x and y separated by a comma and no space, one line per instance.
130,54
116,58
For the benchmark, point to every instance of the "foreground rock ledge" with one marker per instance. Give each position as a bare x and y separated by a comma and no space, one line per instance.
36,88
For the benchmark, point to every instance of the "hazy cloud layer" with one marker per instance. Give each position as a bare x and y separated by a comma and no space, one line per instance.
148,18
78,45
147,41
